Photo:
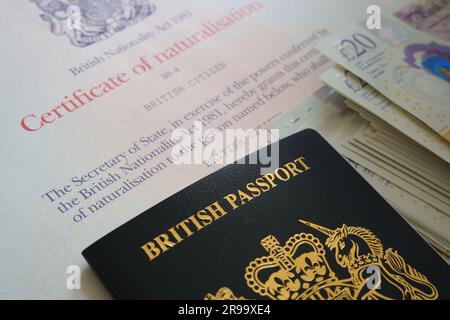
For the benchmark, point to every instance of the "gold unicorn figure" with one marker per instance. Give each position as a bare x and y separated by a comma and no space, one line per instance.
356,249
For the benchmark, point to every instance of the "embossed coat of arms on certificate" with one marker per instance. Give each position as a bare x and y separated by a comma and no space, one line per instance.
86,22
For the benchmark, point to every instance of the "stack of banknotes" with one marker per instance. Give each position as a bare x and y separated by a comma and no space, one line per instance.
387,110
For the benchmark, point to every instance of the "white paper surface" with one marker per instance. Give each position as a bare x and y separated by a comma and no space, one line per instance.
38,242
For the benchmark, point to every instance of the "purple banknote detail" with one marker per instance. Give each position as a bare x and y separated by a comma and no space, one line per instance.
433,57
431,16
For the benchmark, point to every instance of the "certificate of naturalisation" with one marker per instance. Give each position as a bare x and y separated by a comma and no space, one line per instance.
91,92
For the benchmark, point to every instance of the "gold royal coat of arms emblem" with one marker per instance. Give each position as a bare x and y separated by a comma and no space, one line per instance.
306,269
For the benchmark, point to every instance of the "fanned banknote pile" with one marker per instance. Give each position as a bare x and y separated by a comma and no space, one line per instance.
389,111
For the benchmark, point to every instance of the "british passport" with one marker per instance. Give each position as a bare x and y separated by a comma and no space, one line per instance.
311,228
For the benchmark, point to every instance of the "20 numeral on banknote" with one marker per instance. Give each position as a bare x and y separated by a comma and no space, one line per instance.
357,46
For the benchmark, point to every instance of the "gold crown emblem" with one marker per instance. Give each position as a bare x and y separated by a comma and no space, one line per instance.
289,271
299,269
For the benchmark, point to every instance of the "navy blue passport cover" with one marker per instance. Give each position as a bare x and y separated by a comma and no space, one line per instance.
312,229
